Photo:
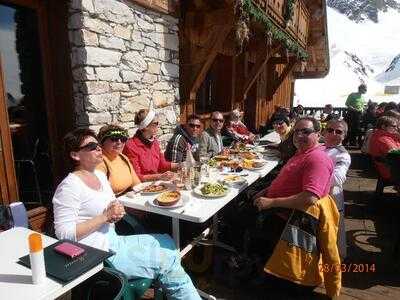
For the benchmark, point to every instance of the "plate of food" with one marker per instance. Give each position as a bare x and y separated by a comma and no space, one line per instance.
254,164
221,157
248,155
234,180
211,190
154,188
169,200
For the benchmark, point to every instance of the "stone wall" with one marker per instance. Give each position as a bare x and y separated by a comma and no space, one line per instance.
123,56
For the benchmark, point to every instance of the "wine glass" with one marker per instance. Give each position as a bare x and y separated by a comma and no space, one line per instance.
256,140
163,145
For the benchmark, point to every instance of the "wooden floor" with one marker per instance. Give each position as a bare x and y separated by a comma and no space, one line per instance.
371,227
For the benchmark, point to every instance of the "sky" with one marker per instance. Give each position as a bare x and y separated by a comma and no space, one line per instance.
7,50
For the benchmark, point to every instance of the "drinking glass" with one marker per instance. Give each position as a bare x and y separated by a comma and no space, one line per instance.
163,145
256,141
196,177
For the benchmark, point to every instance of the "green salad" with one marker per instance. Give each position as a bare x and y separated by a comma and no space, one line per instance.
212,163
213,189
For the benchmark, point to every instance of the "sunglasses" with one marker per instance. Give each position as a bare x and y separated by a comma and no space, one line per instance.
115,139
280,123
191,125
154,124
336,131
304,131
90,147
218,120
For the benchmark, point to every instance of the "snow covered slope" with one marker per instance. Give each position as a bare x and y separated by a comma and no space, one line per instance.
364,48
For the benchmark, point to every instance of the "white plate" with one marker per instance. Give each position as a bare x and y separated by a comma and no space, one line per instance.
237,182
241,173
260,167
182,202
197,191
153,193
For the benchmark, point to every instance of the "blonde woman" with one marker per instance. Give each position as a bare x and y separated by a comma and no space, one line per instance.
143,149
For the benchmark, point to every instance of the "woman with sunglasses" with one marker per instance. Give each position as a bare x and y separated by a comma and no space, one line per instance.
143,149
115,165
281,124
85,210
334,134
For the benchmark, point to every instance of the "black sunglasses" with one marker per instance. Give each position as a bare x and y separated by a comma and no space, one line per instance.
194,125
90,146
336,131
278,123
304,131
115,139
218,120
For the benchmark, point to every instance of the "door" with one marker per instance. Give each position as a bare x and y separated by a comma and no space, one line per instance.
8,186
25,135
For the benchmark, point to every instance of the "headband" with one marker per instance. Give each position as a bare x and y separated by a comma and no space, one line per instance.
146,121
114,133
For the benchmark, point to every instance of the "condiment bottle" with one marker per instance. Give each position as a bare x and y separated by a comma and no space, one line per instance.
37,258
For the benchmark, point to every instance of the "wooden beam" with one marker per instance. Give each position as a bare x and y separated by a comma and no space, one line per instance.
170,7
263,56
278,60
289,67
220,35
215,17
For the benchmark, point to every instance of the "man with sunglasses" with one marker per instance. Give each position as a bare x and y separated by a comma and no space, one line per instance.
334,134
299,191
306,176
211,139
185,137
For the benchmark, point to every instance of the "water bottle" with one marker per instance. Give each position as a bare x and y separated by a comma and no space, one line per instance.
37,258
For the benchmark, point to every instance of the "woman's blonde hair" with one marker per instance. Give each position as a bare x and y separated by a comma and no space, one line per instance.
140,116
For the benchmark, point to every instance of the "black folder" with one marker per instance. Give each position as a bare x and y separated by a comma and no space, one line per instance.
66,269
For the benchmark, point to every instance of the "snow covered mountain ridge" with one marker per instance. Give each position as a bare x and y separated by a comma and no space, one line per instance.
364,44
360,10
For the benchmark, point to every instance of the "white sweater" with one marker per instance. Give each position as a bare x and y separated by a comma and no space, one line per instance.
74,202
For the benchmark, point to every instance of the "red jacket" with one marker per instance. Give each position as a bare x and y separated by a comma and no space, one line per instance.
146,159
381,142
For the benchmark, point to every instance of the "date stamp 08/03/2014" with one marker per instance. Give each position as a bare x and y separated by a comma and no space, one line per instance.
347,268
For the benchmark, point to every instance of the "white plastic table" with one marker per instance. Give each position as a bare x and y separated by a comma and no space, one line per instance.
198,209
16,280
272,137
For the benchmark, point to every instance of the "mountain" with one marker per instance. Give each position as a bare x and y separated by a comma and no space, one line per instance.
391,76
360,10
364,47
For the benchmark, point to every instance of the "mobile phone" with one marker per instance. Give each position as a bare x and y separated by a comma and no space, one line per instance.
69,250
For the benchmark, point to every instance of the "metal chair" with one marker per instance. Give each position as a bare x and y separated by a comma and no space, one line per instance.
30,161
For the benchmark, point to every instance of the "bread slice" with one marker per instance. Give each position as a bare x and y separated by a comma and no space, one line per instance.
168,198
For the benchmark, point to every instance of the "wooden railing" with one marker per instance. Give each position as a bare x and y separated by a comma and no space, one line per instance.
298,27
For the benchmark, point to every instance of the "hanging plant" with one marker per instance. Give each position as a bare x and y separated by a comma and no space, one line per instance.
271,30
289,10
242,31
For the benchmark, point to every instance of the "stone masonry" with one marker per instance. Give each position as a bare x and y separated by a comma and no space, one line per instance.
123,57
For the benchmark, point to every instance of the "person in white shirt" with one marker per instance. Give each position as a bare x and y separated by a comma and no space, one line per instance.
334,134
85,210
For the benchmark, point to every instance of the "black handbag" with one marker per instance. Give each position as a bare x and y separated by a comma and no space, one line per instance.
6,220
